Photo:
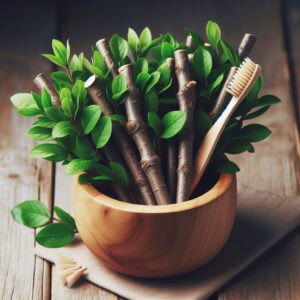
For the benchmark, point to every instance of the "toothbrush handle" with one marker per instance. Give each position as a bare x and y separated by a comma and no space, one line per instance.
210,142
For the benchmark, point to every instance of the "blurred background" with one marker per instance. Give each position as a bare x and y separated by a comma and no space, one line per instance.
26,30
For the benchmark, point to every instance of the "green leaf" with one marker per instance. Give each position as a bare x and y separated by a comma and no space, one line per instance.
229,53
79,93
38,100
154,78
213,33
119,48
119,172
154,122
84,149
54,59
142,81
145,39
50,152
89,118
213,87
151,102
46,100
255,132
202,123
119,88
202,62
39,133
141,65
169,39
23,101
60,80
227,167
78,165
103,178
257,113
172,123
165,80
65,217
99,62
167,50
267,100
197,40
102,132
103,170
156,52
85,178
238,145
55,114
31,213
76,63
60,51
62,129
55,235
67,102
133,41
29,112
44,122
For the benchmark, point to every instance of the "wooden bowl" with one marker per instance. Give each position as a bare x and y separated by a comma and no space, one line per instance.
156,241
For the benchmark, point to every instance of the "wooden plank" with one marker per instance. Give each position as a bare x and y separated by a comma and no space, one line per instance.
23,38
274,165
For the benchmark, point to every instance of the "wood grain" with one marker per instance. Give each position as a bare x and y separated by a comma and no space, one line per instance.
22,276
155,241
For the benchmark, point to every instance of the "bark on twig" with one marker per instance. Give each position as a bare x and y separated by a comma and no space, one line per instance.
246,45
244,49
136,127
186,100
172,150
41,81
103,47
119,137
189,41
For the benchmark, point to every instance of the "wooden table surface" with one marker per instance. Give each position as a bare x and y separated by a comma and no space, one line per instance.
26,30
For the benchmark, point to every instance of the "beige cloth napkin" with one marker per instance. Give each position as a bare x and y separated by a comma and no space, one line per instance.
262,220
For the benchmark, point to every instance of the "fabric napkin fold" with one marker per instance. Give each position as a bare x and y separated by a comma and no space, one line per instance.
262,220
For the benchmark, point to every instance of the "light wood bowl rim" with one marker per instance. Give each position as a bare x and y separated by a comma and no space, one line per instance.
214,193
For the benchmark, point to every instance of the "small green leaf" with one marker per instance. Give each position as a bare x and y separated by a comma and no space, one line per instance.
85,178
60,80
79,93
23,100
154,78
165,80
89,118
255,132
102,132
62,129
60,51
65,217
50,152
119,88
54,59
133,41
39,133
145,39
267,100
167,50
197,40
202,62
84,149
55,235
257,113
67,102
227,167
119,174
119,48
238,145
154,122
172,123
151,102
55,114
118,118
44,122
141,65
31,213
99,62
29,112
142,80
230,54
76,63
78,165
46,100
103,178
213,32
213,87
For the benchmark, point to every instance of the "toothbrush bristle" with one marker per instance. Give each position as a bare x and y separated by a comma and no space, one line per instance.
241,77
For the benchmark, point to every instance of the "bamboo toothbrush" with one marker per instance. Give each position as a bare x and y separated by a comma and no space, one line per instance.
239,86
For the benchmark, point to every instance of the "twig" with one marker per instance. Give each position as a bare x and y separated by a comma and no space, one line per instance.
103,47
186,100
136,127
119,137
41,81
244,49
246,45
172,150
189,41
